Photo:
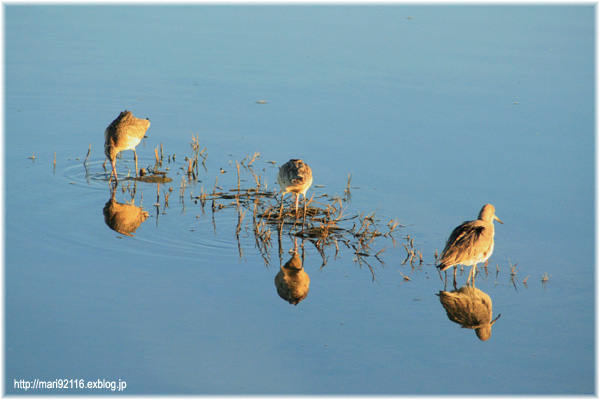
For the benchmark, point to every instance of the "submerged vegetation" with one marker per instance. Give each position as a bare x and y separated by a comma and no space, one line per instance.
326,221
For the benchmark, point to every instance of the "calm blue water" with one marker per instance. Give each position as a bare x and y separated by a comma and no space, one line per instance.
434,110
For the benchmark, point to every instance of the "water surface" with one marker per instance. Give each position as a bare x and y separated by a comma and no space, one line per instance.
433,110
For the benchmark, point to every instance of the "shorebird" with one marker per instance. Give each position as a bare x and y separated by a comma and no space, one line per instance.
471,243
295,176
124,133
471,308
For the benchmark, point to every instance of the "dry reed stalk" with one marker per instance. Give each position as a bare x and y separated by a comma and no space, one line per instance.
255,156
545,277
377,255
420,253
195,144
157,204
347,194
182,188
167,194
404,278
241,215
237,165
256,180
513,272
87,155
408,254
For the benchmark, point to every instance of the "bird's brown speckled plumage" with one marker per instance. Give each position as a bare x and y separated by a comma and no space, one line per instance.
472,242
295,176
124,133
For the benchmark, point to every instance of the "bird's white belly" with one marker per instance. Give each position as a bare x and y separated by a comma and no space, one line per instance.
130,142
482,257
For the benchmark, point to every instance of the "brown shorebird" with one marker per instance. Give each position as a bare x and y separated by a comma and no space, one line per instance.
471,308
470,243
124,133
295,176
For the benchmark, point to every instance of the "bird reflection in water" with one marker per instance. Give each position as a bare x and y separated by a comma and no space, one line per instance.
123,218
292,282
471,308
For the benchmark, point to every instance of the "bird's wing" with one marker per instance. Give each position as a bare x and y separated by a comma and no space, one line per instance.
463,243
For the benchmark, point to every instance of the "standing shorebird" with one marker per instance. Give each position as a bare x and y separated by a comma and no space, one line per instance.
295,176
124,133
470,243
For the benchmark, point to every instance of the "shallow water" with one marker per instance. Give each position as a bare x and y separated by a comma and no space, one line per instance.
434,111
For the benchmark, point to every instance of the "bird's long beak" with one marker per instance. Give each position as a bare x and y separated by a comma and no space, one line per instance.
492,323
498,219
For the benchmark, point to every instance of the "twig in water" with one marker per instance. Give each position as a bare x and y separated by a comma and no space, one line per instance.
238,175
86,157
513,272
545,278
404,278
347,194
255,156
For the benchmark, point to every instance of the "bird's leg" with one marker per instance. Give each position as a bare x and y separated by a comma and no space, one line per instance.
454,277
114,171
279,232
281,208
135,158
304,213
472,275
296,219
